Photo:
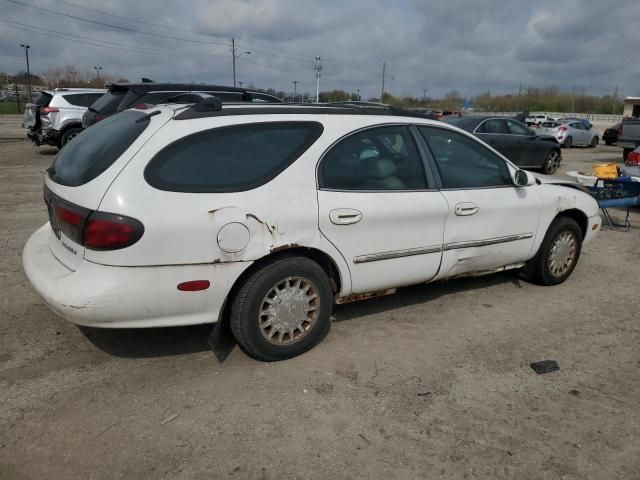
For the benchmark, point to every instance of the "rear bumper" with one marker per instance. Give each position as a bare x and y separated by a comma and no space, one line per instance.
126,297
44,137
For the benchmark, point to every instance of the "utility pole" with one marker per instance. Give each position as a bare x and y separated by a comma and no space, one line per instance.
234,57
573,100
384,72
97,69
240,84
615,98
519,94
26,52
358,94
317,66
17,96
424,95
295,89
73,78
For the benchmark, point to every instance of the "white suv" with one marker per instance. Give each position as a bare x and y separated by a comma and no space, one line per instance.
56,116
264,217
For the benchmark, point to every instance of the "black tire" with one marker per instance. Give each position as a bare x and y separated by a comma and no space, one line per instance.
625,153
247,325
69,135
594,142
551,162
538,269
568,142
608,143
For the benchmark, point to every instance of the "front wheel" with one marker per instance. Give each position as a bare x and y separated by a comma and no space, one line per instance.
283,309
558,254
551,162
594,142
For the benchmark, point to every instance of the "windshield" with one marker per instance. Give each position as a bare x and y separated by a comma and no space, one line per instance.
95,150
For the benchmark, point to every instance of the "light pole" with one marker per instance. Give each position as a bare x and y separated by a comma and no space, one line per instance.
424,95
97,69
73,78
26,52
234,57
240,83
384,72
295,89
317,66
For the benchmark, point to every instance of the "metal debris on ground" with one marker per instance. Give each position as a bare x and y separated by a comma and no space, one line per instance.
544,366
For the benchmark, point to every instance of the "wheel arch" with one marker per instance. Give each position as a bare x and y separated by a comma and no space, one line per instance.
322,258
578,216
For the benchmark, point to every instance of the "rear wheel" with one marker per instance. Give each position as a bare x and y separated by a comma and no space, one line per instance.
608,142
568,142
283,309
594,142
558,254
551,163
69,135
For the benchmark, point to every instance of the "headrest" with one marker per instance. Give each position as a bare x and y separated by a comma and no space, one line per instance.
381,168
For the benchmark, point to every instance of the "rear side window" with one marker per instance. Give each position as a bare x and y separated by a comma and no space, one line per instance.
233,158
108,103
493,125
82,99
92,153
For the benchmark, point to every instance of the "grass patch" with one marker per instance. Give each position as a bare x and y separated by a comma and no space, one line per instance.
10,107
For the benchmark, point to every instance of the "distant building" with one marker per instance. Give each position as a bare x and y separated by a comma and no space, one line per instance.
631,107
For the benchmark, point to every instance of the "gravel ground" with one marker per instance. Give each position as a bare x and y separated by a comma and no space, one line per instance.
433,382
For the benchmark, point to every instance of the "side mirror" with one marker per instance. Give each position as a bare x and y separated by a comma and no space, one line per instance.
523,179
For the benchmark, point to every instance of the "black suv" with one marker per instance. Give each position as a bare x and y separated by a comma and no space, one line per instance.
122,96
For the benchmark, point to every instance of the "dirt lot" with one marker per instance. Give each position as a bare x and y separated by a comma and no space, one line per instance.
433,382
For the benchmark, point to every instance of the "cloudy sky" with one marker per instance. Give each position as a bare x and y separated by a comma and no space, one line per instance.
468,45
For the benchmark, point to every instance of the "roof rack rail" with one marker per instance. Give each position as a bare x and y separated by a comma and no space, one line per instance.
212,106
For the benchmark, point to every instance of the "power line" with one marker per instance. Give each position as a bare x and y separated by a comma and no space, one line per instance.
126,29
100,43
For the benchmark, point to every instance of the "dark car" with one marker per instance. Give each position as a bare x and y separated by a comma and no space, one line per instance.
524,147
122,96
610,135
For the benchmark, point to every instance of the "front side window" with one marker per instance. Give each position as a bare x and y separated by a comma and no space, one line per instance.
230,159
516,128
383,158
463,162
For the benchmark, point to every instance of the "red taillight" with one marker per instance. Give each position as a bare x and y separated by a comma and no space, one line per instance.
562,129
69,222
108,231
194,285
48,110
633,159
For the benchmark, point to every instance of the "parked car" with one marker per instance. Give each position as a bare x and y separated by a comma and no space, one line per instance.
524,147
632,163
572,133
56,116
610,135
536,120
263,217
440,114
122,96
628,136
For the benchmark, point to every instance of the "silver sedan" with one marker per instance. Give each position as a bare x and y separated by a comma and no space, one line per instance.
571,133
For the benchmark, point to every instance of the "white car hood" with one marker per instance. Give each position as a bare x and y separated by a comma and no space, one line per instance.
554,180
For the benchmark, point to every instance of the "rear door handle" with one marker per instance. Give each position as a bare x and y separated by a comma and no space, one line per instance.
345,216
466,208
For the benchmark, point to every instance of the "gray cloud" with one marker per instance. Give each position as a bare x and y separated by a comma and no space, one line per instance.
468,46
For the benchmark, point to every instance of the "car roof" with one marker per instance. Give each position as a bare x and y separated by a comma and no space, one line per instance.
347,108
144,87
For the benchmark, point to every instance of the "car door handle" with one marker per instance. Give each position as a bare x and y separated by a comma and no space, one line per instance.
345,216
466,208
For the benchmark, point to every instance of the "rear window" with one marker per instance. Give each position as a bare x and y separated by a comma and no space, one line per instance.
92,153
43,100
235,158
108,103
550,124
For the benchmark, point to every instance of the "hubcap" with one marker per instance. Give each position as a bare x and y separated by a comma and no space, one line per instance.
563,253
552,161
289,311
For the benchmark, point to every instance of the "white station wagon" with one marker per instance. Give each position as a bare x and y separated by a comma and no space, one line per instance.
265,216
